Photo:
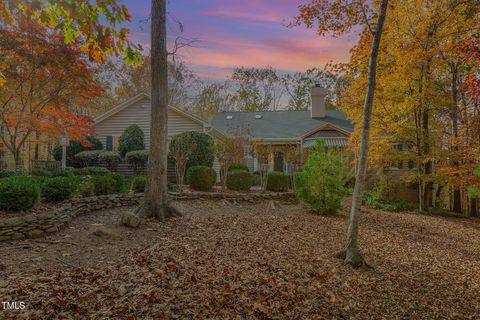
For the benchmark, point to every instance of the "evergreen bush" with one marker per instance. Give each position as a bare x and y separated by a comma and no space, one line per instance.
138,160
18,193
201,177
132,139
88,158
104,185
76,147
321,185
138,184
111,159
203,148
58,188
277,181
238,166
239,180
91,171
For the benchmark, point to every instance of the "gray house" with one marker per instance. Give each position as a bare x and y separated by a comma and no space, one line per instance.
276,129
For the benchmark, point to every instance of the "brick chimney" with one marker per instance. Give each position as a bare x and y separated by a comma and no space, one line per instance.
318,101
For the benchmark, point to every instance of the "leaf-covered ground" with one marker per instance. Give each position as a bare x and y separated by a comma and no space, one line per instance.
225,261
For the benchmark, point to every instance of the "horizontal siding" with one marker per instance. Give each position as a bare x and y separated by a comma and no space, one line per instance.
139,113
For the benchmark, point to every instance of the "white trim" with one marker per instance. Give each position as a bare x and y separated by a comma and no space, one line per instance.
326,126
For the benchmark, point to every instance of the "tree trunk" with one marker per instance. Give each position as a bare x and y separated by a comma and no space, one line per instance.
474,207
457,195
156,197
351,252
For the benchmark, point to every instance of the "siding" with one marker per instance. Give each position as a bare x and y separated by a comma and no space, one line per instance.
139,113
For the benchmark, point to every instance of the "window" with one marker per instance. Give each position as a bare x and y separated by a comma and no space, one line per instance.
398,164
112,143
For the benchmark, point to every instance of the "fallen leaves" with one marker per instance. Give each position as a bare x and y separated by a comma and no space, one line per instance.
241,262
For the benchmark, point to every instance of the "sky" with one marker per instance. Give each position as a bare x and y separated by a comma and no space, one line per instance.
235,33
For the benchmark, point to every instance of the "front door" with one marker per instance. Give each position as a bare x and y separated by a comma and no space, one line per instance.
278,164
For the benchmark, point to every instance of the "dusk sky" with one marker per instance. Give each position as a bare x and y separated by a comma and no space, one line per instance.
235,33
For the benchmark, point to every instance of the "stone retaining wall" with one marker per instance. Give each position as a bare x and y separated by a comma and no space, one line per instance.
36,225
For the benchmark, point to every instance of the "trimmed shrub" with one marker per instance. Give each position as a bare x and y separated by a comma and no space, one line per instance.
104,185
119,181
18,193
91,171
203,148
59,172
138,160
88,158
58,188
321,185
110,159
131,140
277,181
201,177
257,180
138,184
239,180
76,147
238,166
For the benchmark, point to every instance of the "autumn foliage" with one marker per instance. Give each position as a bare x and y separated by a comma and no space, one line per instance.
48,86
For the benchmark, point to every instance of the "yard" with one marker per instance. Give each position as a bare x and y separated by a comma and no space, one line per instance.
224,260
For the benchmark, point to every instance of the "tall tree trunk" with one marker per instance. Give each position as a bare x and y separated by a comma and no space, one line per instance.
351,254
457,195
474,207
156,196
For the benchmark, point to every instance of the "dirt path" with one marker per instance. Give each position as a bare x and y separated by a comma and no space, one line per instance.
226,261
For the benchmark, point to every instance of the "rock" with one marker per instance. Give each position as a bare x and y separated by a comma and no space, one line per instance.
34,233
52,230
104,232
130,220
17,236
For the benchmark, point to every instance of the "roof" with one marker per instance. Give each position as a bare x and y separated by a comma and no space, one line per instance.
135,99
328,142
279,125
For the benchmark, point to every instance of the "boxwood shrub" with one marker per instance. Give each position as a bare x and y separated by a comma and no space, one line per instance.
132,139
58,188
104,185
138,160
110,159
138,184
88,158
201,178
91,171
277,181
238,166
18,193
239,180
119,181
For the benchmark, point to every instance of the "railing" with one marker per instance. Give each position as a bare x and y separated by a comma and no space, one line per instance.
46,164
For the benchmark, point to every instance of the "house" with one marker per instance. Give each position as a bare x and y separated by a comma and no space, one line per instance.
283,129
277,129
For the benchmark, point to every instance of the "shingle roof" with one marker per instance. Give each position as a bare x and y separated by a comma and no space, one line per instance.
277,125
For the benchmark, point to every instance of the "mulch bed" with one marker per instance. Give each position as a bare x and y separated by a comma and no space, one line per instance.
263,261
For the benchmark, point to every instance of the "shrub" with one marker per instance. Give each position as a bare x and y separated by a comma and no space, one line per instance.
104,185
386,195
201,177
138,184
76,147
239,180
86,188
238,166
7,173
203,148
257,180
40,172
321,185
131,140
58,188
88,158
138,160
277,181
110,159
18,193
394,205
119,181
59,172
91,171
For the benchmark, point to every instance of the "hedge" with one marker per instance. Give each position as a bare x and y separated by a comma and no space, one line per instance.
138,184
58,188
110,159
104,185
239,180
18,193
76,147
138,160
88,158
277,181
201,178
91,171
